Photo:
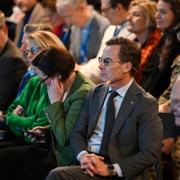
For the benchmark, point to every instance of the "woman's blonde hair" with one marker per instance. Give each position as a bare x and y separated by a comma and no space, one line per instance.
45,39
149,8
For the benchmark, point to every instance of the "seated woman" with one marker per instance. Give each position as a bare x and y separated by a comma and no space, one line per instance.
66,91
26,111
157,72
142,23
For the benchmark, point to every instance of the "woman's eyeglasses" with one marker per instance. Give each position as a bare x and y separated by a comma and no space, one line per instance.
32,50
44,80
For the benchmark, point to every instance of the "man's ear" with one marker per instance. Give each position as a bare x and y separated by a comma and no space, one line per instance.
127,66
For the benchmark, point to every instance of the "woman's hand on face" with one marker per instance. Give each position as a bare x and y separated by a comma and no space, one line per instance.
55,90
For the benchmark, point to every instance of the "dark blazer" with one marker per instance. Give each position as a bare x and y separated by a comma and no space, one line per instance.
99,25
12,69
135,142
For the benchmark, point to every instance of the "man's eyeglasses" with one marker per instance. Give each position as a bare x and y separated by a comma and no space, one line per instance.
106,61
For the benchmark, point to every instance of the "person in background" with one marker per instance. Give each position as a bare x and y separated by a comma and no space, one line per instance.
61,29
12,68
175,107
87,30
116,12
170,148
66,91
157,72
34,13
28,29
164,100
142,23
118,134
26,111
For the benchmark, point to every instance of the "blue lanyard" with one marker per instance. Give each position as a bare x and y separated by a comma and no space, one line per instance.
85,32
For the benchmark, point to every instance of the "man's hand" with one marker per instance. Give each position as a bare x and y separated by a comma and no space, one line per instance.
93,164
164,108
18,110
167,145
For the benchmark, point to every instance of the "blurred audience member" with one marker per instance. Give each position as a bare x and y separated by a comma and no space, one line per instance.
116,11
164,100
33,13
142,23
26,111
28,29
12,68
60,29
157,72
87,30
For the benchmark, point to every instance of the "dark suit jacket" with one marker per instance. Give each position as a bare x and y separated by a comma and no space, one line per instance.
99,25
12,69
135,142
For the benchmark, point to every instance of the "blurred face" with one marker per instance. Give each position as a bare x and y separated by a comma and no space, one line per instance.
109,64
109,12
55,19
175,98
31,50
164,15
3,36
25,5
136,20
69,14
24,47
44,78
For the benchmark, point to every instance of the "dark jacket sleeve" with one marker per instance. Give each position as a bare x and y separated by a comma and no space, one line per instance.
11,72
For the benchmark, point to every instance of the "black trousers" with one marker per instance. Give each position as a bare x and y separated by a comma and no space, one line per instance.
74,173
29,162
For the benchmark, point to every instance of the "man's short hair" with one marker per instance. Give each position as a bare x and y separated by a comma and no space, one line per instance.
30,28
2,19
128,52
124,3
71,2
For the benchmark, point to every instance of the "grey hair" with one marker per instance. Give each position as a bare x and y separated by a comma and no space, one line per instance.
30,28
74,3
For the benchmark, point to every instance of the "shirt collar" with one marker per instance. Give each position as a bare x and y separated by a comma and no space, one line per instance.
122,90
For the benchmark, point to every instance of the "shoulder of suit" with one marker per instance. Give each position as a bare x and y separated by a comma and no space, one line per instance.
99,19
11,50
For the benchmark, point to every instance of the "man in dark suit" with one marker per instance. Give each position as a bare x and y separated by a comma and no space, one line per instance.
12,67
134,141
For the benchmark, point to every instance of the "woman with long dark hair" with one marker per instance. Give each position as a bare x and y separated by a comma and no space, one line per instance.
156,75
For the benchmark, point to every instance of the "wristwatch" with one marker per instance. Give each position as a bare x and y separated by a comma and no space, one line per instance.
111,170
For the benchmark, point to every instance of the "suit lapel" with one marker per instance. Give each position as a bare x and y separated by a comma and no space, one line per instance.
98,102
129,102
